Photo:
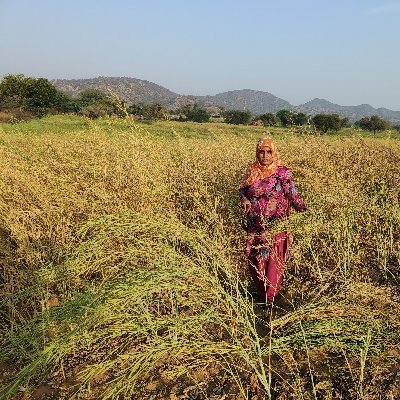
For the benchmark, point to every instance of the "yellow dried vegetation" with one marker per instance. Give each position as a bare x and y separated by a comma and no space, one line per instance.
123,275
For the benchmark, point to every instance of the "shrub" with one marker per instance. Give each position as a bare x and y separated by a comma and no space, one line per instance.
97,110
154,111
91,96
196,114
267,119
286,117
36,95
237,117
15,115
300,119
136,109
373,123
326,122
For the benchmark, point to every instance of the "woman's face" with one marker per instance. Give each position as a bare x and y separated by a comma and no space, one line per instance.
264,156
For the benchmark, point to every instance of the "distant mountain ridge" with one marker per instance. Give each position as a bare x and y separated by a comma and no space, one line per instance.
354,113
246,99
133,90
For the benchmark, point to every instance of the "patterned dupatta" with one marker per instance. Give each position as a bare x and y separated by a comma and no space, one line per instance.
256,171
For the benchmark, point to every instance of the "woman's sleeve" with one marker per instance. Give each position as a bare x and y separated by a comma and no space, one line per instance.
291,193
243,187
243,192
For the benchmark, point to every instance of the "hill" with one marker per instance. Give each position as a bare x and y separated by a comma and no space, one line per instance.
133,90
256,101
354,113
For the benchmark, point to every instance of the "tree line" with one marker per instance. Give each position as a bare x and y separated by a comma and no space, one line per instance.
25,97
321,122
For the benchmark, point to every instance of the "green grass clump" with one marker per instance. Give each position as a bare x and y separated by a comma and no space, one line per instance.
145,297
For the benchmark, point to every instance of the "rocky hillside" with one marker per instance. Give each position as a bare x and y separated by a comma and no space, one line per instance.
140,91
129,89
256,101
354,113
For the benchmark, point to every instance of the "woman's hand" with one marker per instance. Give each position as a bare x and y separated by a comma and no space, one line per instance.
246,204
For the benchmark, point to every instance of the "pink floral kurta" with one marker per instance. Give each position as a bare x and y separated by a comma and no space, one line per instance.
271,199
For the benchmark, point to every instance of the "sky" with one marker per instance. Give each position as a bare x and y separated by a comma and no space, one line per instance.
345,51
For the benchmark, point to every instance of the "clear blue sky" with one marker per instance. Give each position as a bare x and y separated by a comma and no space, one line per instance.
347,52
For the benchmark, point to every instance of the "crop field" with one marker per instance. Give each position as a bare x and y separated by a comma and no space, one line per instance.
123,274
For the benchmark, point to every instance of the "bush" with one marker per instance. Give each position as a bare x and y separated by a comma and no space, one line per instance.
300,119
97,110
15,115
237,117
41,95
267,119
196,114
286,117
327,122
154,111
396,127
345,123
136,109
12,91
35,95
65,104
373,123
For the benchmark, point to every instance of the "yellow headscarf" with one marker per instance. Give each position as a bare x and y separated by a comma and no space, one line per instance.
256,171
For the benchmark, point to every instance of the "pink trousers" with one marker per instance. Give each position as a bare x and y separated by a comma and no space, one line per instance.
266,263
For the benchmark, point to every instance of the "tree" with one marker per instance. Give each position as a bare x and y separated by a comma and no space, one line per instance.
12,91
91,96
196,114
96,110
373,123
378,124
300,119
345,123
237,117
154,111
286,117
94,103
396,128
136,109
326,122
41,95
148,111
268,119
364,123
64,103
36,95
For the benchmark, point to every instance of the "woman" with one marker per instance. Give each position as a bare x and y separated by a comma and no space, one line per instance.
267,194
